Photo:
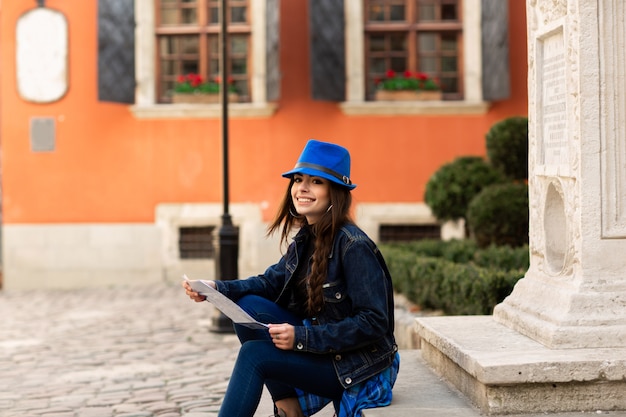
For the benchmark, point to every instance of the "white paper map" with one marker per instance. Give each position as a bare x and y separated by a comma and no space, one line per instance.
224,304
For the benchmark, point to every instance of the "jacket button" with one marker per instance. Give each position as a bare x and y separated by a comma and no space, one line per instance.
338,295
299,346
348,380
337,357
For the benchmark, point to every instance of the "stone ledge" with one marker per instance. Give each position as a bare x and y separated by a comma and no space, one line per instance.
405,330
504,372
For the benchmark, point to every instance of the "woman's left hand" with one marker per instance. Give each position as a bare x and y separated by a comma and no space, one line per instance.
283,335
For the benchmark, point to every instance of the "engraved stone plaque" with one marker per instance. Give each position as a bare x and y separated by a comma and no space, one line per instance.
553,149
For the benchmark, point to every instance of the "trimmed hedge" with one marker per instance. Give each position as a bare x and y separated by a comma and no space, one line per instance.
435,281
507,147
451,188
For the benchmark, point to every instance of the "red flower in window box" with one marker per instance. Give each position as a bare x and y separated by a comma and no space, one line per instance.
417,81
195,84
192,88
409,86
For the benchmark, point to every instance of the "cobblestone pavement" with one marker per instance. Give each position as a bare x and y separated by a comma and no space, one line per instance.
112,352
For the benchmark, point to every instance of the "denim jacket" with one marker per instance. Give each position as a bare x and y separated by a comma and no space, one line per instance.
356,324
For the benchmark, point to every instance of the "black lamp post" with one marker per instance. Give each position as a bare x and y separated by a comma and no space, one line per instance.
228,235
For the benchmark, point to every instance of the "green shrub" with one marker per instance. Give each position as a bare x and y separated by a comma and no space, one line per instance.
456,289
459,251
465,251
507,147
452,187
499,215
436,282
427,247
424,282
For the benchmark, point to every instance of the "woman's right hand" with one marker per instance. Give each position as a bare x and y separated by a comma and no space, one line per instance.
194,295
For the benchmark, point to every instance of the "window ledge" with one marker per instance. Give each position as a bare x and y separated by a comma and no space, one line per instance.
394,108
202,111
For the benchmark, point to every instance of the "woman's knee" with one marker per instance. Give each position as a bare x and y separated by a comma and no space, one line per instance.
256,350
251,302
266,311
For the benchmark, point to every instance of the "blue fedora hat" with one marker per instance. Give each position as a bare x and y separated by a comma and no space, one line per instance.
326,160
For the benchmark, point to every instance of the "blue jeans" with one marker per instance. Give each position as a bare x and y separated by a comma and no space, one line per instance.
260,362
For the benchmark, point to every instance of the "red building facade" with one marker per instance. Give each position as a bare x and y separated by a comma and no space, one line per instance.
104,178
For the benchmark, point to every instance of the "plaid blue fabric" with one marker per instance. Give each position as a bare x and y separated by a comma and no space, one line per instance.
371,393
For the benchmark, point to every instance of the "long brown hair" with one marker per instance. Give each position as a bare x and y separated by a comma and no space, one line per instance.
324,230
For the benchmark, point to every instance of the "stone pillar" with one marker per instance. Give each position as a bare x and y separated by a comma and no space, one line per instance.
574,293
558,342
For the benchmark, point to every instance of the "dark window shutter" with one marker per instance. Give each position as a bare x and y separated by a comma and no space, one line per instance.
116,51
328,51
272,76
495,49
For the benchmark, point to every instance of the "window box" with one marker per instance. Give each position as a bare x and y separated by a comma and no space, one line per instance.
407,95
202,98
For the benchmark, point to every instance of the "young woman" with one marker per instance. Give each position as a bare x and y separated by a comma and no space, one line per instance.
329,302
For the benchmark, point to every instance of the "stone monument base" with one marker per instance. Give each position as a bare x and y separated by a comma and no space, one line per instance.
504,372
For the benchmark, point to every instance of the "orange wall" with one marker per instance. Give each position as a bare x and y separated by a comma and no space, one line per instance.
110,167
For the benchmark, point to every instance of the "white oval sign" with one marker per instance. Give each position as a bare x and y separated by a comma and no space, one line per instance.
42,53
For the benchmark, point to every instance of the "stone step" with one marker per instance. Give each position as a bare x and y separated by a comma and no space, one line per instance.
420,392
504,372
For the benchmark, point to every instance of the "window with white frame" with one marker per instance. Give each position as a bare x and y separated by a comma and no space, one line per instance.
178,37
188,45
463,43
417,38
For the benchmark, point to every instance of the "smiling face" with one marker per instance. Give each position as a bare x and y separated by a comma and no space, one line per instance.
310,196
